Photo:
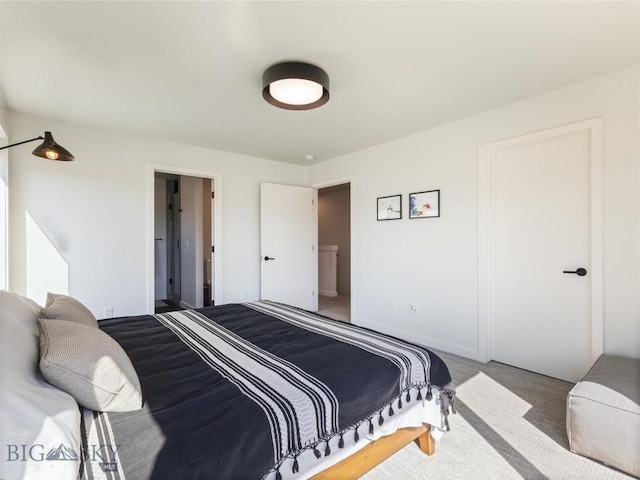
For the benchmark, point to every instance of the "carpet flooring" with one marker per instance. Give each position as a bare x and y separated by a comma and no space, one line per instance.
510,426
164,306
338,308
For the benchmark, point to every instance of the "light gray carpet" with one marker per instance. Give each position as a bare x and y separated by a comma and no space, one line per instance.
338,308
510,425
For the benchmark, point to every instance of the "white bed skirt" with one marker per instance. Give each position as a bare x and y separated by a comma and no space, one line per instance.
413,414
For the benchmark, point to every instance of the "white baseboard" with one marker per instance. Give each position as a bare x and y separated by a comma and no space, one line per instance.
186,305
422,340
328,293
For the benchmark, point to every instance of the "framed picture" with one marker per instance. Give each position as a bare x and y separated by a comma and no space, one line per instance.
390,208
424,204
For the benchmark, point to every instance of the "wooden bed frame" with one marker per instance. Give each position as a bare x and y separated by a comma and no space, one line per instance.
364,460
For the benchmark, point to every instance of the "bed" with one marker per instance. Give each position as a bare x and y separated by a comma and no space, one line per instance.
257,390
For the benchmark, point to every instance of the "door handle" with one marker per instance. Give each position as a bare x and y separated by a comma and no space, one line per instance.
581,272
267,258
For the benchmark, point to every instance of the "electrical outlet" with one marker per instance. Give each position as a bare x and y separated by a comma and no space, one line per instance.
107,312
394,303
243,295
413,307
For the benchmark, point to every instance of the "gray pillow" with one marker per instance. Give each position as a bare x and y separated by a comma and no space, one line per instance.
63,307
32,411
89,365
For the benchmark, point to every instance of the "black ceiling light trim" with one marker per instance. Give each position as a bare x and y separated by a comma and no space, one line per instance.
295,70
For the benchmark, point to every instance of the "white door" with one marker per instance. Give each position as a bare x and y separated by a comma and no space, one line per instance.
540,231
288,233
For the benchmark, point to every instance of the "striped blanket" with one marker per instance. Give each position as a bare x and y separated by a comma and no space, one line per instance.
239,391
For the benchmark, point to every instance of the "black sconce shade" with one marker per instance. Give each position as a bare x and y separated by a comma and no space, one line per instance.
48,149
51,150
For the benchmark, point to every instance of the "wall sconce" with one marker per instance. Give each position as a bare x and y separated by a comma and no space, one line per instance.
48,149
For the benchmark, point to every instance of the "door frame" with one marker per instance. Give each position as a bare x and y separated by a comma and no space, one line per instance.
217,225
593,128
4,213
352,236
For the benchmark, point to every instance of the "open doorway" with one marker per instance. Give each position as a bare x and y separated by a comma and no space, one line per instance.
183,241
334,251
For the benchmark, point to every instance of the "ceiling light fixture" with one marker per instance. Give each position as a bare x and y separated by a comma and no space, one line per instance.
48,149
295,86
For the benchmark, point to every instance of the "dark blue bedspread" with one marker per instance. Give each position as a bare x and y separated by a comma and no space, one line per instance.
198,424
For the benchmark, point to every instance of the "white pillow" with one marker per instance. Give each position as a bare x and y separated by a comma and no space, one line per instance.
35,417
90,365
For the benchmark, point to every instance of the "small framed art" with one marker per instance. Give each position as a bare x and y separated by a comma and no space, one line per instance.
424,204
389,208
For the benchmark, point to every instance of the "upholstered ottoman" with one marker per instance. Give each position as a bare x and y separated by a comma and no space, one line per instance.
603,413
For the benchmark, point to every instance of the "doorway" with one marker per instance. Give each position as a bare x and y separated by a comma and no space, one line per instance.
166,242
183,244
334,251
540,250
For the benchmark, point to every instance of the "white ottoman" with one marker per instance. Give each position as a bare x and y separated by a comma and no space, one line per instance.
603,413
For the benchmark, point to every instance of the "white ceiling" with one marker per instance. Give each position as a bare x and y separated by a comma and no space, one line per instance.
191,72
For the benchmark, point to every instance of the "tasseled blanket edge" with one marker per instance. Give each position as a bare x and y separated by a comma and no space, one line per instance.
447,404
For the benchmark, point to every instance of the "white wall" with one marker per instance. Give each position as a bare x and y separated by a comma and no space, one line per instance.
4,184
4,195
433,262
95,210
